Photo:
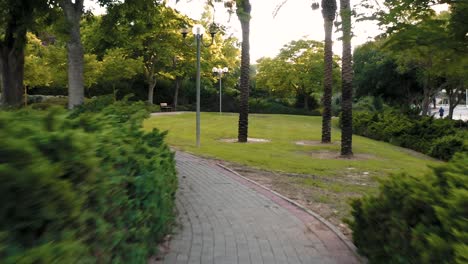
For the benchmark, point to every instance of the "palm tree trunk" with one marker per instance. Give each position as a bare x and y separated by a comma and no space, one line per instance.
328,13
73,11
243,12
347,82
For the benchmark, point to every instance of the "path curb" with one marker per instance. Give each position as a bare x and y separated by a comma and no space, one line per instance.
333,228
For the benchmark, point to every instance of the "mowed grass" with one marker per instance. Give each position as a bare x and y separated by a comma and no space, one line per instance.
373,158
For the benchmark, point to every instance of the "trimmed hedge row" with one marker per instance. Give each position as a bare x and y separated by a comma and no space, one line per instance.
85,187
416,219
439,138
264,106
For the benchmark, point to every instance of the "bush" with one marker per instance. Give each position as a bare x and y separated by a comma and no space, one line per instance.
263,106
445,147
46,102
440,138
416,219
89,186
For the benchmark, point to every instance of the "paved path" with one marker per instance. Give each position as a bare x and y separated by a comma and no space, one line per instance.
225,219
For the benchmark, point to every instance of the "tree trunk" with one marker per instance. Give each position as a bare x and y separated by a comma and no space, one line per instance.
243,12
176,93
306,101
454,97
73,11
328,13
12,43
12,71
151,85
426,101
347,82
451,109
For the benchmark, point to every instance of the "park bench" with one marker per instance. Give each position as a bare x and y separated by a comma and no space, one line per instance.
165,107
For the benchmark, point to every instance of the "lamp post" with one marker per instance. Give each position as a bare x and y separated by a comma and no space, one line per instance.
198,31
220,72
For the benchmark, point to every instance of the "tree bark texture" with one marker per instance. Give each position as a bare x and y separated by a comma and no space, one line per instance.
12,71
347,82
12,45
73,12
454,98
243,12
151,86
328,13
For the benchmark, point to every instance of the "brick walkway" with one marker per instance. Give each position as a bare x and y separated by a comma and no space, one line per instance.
225,219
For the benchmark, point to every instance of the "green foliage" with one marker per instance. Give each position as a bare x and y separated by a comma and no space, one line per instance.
50,102
416,219
298,69
376,74
265,106
83,188
444,148
440,138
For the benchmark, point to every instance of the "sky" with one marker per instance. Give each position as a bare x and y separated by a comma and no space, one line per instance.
268,34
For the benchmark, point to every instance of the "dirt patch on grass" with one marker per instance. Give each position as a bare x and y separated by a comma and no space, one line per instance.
249,140
327,196
331,154
315,143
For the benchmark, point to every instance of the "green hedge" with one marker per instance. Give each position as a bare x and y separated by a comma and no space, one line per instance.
264,106
439,138
416,219
85,187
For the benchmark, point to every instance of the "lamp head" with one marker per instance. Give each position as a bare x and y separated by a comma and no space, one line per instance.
315,5
198,30
213,29
184,31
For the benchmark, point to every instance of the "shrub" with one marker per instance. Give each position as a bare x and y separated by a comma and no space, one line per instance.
86,187
445,147
423,134
263,106
416,219
50,101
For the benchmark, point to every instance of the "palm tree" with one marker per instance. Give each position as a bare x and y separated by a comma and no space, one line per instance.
243,12
328,13
346,79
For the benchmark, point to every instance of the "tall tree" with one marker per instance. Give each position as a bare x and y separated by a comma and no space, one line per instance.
347,82
16,17
297,71
243,12
154,36
116,66
328,13
376,74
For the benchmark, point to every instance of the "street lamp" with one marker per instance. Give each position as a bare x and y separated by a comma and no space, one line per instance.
315,5
198,31
220,72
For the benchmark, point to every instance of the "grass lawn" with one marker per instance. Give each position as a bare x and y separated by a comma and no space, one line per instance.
312,173
282,154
